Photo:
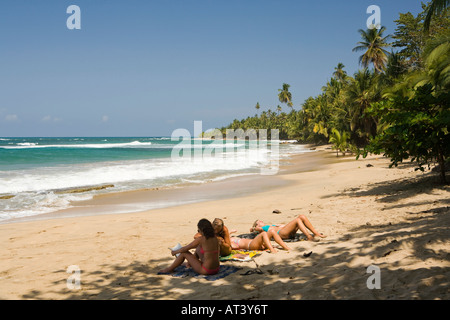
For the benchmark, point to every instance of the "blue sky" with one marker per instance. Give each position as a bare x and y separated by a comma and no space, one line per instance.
146,68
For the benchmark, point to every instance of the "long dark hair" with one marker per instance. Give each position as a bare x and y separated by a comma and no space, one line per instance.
206,228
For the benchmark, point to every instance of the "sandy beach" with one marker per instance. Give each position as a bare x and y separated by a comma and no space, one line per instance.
394,219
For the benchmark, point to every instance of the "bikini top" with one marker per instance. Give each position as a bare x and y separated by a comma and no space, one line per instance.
266,227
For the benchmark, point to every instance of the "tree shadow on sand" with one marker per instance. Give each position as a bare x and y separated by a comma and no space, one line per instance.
394,191
334,272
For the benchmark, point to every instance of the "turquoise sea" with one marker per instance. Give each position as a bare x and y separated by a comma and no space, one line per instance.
34,171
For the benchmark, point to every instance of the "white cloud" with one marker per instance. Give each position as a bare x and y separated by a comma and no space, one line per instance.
105,118
50,118
11,117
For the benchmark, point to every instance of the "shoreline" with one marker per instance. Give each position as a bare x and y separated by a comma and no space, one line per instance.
140,200
395,219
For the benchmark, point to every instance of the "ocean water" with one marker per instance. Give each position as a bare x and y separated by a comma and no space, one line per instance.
36,173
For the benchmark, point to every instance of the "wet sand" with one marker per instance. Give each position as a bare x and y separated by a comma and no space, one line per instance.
157,198
394,219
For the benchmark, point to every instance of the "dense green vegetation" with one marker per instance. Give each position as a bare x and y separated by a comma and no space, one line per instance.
397,104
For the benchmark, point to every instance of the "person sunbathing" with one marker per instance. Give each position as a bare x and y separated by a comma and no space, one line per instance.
279,232
207,263
260,242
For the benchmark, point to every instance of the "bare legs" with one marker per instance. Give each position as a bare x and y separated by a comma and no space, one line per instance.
273,234
261,241
193,262
300,223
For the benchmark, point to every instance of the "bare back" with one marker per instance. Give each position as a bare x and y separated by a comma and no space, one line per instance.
210,252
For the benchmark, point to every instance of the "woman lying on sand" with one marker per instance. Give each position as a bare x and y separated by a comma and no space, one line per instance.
260,242
279,232
208,245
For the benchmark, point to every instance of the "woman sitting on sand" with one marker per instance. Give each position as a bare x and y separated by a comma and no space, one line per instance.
208,262
223,235
279,232
260,242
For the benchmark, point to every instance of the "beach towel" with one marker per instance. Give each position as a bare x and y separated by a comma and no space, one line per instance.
297,237
240,255
183,272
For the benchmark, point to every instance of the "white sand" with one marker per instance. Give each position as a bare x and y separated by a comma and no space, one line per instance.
395,219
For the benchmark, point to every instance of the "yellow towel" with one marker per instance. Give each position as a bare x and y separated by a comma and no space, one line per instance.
241,255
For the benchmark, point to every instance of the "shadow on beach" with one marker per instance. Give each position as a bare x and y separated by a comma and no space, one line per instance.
412,255
397,190
333,274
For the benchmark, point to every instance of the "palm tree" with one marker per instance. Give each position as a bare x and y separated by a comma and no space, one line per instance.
279,109
320,116
361,92
295,125
437,7
395,67
285,96
437,63
335,92
436,71
339,140
339,72
374,44
257,107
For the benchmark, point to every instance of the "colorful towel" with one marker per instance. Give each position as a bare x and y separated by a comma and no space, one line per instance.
183,272
296,238
240,255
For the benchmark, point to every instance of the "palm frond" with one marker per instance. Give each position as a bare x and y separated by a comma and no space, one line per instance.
436,8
